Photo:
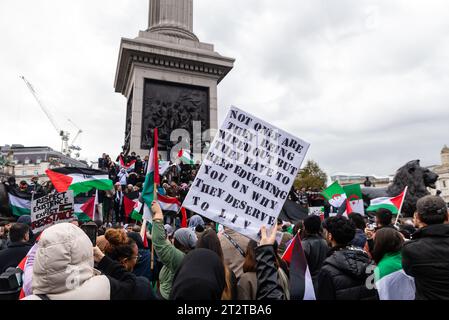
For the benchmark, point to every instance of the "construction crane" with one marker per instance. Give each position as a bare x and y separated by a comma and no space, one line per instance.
65,136
72,146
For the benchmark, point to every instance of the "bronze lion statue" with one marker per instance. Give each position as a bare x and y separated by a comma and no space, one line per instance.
418,180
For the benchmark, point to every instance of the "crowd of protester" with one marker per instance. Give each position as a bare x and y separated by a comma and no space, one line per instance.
308,197
160,260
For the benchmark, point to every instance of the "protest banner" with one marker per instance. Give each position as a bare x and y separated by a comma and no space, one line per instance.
51,209
247,174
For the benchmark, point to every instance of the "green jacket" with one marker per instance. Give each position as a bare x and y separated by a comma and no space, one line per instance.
168,255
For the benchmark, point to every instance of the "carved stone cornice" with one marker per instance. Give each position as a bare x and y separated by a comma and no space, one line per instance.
196,59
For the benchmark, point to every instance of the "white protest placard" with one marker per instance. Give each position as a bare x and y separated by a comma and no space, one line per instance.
247,174
51,209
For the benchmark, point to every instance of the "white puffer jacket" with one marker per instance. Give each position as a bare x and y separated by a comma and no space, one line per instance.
64,267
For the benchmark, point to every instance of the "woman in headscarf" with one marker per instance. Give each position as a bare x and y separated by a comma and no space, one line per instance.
201,276
209,240
196,221
196,224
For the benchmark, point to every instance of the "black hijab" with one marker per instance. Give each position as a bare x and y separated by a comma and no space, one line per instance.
137,239
201,276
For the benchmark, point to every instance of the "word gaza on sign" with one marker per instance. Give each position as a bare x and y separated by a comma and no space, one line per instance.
247,174
51,209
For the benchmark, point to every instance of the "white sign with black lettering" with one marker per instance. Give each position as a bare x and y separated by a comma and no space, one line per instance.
51,209
247,174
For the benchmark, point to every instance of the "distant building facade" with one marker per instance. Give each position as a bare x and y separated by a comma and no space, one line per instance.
26,162
443,173
348,179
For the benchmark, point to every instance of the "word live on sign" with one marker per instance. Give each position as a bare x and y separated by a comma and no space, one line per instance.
247,174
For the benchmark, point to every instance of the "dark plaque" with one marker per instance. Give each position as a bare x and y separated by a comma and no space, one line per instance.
169,106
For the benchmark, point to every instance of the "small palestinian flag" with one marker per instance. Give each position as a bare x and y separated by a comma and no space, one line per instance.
354,199
19,202
138,211
186,157
392,204
130,202
79,180
129,166
85,208
301,284
335,194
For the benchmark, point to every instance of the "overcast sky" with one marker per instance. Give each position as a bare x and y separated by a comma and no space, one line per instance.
365,82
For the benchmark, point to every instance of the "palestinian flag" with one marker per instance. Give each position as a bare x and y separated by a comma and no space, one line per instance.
79,180
354,199
392,204
301,285
335,194
85,208
152,179
19,202
129,166
137,211
130,202
392,282
186,157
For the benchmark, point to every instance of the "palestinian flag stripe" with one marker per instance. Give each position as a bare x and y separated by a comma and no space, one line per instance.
79,180
184,218
129,205
382,203
19,206
84,208
301,284
393,204
95,182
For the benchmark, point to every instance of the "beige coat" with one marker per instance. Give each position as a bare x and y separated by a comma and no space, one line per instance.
232,257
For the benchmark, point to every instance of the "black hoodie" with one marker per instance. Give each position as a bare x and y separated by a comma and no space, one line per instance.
344,275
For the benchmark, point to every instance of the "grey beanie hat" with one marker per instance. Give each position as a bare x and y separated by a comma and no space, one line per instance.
186,237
